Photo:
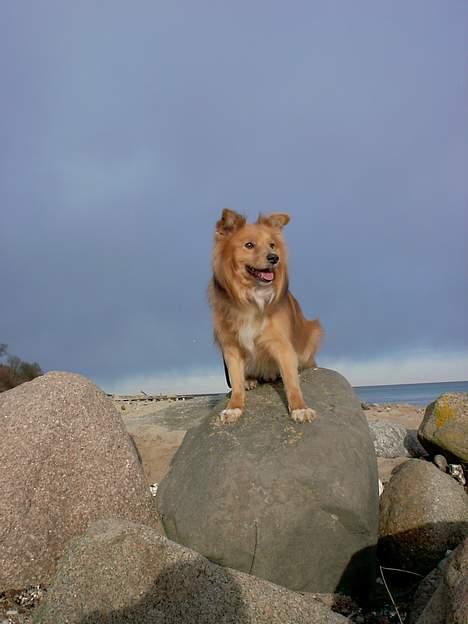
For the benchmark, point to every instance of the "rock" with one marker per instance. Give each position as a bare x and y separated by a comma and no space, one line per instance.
423,512
386,467
393,440
296,504
441,462
449,602
123,572
445,426
65,460
425,590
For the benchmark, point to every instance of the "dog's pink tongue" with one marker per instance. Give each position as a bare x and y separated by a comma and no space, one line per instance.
267,275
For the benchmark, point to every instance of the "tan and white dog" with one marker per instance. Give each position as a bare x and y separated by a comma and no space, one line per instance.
258,324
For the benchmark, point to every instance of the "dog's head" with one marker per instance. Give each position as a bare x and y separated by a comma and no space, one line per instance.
250,255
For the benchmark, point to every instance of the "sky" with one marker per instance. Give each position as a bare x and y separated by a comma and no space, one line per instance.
126,127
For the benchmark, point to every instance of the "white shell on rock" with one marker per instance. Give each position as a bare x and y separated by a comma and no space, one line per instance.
456,471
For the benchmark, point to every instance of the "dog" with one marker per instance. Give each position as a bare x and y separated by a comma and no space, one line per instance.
258,324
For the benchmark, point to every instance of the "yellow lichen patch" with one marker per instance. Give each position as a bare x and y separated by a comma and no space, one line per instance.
443,412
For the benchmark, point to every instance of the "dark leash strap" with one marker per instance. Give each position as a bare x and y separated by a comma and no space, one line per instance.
226,374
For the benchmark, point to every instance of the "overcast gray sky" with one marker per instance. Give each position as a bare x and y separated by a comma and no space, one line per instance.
127,126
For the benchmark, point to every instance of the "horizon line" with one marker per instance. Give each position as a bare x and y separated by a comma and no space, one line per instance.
412,383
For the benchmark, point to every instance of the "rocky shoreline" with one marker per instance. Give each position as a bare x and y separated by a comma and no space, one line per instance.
159,428
72,424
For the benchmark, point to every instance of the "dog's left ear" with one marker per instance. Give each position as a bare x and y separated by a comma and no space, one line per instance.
276,220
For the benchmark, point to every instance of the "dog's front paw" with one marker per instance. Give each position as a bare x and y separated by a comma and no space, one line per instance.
229,415
303,415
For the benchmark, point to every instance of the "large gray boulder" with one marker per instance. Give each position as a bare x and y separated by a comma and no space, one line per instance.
423,512
123,572
65,460
445,426
296,504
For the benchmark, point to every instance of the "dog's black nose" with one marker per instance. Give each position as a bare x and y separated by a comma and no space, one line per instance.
272,258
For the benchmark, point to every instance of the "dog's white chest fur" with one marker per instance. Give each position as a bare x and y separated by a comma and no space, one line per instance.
250,328
253,322
263,295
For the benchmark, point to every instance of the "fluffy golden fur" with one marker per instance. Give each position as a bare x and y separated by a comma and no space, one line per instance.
258,324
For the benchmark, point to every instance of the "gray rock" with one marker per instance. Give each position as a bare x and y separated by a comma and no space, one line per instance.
386,467
296,504
393,440
441,462
65,460
445,426
449,601
425,590
122,572
423,512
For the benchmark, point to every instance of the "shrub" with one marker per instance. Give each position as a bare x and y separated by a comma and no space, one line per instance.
16,371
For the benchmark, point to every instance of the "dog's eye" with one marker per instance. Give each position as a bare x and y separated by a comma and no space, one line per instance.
272,245
249,245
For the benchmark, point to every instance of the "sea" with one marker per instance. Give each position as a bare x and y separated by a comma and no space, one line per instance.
414,394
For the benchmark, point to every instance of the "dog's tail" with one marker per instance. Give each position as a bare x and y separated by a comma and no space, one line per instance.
314,337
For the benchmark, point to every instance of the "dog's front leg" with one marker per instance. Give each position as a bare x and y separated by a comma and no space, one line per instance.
285,356
236,368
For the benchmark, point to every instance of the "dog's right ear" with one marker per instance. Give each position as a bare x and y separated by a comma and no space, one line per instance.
229,223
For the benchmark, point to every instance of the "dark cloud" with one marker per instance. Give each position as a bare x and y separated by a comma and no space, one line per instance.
125,129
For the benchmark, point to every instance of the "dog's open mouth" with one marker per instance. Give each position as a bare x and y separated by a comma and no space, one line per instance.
263,275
